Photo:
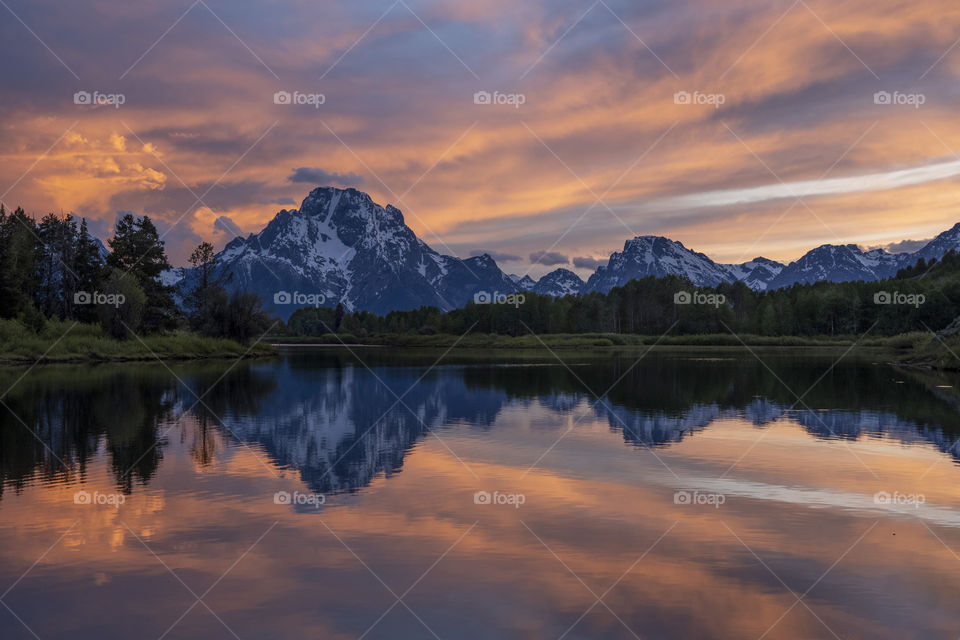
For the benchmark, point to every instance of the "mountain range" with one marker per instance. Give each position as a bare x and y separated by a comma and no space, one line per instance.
341,247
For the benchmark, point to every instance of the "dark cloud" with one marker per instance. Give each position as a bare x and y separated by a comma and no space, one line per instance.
499,256
320,177
584,262
549,258
224,223
176,200
904,246
179,240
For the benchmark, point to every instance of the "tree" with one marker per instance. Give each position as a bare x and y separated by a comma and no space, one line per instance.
136,248
56,282
18,278
88,269
202,260
246,317
205,296
121,307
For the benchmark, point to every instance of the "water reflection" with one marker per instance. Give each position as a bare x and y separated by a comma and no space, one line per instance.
340,421
199,453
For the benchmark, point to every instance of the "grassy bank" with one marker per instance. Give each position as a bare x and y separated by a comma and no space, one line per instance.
58,342
85,343
934,353
599,340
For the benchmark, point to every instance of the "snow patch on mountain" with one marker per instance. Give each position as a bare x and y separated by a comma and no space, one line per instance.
559,283
656,256
354,252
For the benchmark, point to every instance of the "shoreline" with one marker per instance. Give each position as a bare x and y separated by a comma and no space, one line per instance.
905,350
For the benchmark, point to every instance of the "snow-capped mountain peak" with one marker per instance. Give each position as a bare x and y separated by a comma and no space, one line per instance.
343,247
656,256
526,283
838,263
559,283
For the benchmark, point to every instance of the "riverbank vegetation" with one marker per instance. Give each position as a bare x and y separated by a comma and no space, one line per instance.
55,275
910,314
65,297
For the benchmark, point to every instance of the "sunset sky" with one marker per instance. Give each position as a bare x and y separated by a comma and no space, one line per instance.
788,150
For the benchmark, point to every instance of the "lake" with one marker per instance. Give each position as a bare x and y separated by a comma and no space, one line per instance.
373,493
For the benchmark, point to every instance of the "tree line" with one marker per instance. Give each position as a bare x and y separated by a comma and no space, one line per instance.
55,269
924,295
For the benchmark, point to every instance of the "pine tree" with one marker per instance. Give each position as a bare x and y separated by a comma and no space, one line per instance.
136,248
55,254
202,299
88,268
18,276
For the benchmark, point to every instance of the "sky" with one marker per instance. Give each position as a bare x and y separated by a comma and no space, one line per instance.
527,129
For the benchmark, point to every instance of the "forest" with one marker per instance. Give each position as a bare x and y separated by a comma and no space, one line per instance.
54,270
920,298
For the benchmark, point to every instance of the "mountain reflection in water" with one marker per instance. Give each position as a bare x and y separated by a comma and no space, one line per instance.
340,422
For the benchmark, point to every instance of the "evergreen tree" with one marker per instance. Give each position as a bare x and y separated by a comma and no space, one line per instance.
18,249
204,298
56,282
136,248
88,268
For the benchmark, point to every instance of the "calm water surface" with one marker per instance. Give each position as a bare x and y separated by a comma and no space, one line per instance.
329,494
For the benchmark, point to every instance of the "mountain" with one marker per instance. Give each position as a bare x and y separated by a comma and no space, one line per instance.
659,256
341,247
756,273
558,283
949,239
526,283
656,256
840,263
